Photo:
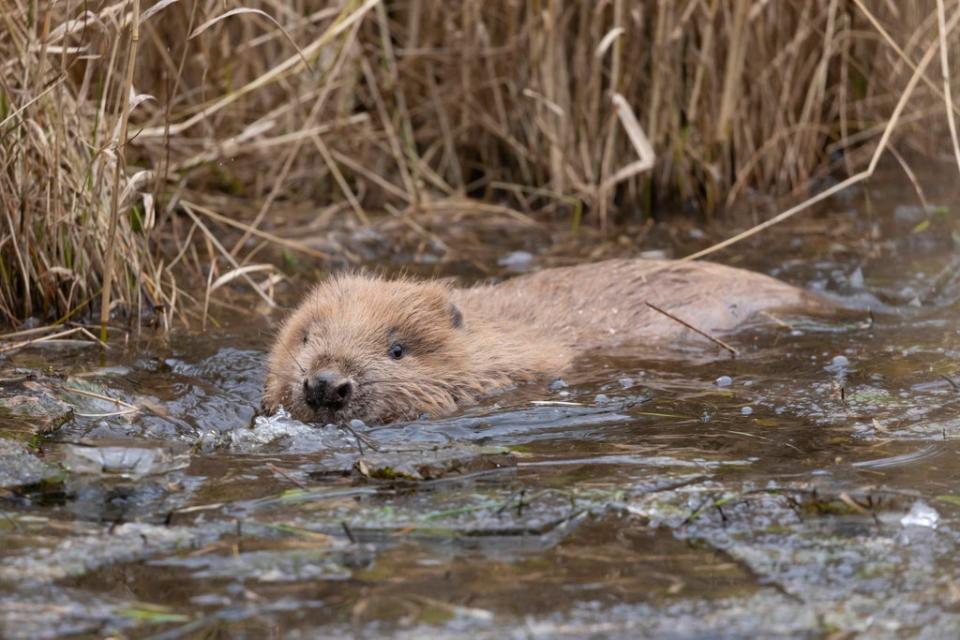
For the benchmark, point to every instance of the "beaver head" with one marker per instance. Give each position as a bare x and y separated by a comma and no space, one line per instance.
368,348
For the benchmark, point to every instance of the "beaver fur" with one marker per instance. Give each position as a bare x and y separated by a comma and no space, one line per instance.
376,349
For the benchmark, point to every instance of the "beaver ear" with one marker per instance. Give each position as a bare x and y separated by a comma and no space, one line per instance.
456,318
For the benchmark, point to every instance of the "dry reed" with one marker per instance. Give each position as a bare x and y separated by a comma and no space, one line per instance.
120,136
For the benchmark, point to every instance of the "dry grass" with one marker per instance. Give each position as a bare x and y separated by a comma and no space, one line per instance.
113,149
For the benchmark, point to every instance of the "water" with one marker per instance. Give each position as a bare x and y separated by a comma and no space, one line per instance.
808,488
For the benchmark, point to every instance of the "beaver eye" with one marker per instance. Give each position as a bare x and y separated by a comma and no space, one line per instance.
396,351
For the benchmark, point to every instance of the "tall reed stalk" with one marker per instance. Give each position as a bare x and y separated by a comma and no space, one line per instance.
126,131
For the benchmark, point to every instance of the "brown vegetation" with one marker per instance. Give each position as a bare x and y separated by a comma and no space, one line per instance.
551,107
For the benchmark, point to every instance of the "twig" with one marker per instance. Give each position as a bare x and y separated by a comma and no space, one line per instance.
286,476
956,387
111,414
912,177
100,396
360,438
283,242
716,341
346,530
27,343
24,332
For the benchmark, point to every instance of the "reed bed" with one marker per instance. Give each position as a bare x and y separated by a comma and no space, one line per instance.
127,128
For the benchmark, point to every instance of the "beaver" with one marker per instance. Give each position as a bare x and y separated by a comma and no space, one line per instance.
379,350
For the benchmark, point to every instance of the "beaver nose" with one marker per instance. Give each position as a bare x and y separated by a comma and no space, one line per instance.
327,390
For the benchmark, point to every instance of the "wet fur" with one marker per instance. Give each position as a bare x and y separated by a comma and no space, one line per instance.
465,343
348,324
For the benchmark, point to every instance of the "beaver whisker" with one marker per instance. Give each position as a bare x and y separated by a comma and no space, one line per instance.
380,381
294,358
423,389
389,381
424,398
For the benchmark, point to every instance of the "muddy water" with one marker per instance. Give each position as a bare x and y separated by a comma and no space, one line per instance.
808,488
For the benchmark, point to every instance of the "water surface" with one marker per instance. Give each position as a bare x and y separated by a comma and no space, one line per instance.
809,487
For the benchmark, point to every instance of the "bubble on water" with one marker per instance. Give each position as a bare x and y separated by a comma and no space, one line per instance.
909,213
358,424
626,383
839,364
601,398
746,411
558,384
921,515
517,261
724,381
856,279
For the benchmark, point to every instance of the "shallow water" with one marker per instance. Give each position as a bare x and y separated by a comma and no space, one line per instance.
808,488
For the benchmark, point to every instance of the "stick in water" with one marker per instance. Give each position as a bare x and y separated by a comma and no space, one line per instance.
716,341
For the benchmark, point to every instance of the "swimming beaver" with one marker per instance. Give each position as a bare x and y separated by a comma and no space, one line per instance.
382,350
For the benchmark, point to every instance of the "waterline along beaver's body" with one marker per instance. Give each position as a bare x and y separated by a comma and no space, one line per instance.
381,350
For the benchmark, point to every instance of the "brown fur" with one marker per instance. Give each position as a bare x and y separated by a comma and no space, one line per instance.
525,329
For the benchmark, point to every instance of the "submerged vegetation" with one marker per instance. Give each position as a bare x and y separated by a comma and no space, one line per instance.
134,134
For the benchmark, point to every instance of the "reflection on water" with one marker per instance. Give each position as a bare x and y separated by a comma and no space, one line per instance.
809,487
